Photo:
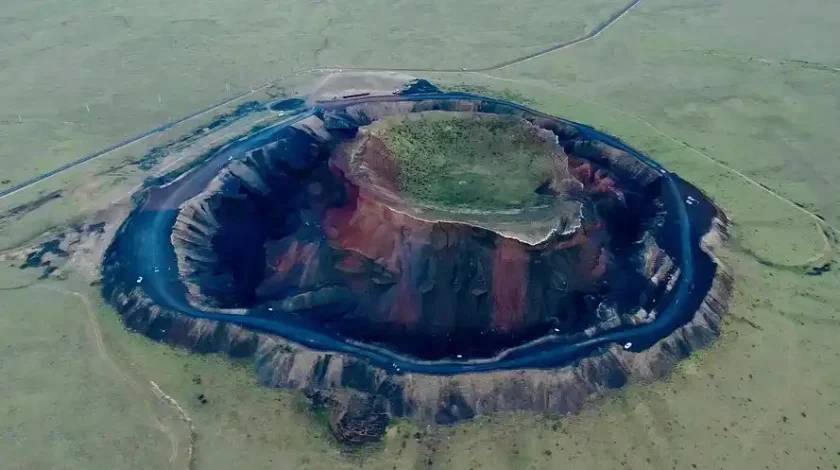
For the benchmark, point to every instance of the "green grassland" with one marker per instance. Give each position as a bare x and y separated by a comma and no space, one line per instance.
79,75
738,97
469,162
764,103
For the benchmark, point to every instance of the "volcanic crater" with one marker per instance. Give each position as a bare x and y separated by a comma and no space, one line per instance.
427,255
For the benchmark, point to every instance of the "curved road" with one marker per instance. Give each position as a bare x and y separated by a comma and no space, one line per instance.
49,174
143,254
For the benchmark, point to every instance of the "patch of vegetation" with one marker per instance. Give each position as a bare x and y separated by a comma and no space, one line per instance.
475,163
504,94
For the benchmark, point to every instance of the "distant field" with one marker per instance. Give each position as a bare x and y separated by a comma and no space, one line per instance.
77,76
766,103
739,97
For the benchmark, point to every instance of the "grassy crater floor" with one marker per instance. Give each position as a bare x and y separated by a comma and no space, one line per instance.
474,162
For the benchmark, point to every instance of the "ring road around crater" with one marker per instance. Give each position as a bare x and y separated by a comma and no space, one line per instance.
146,237
145,276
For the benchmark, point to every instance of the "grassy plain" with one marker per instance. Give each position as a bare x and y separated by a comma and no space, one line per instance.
80,75
738,97
765,103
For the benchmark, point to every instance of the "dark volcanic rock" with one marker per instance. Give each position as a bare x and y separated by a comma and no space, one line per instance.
304,253
337,244
358,418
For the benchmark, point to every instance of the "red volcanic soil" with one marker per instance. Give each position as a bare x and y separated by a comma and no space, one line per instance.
595,180
434,273
404,247
510,285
